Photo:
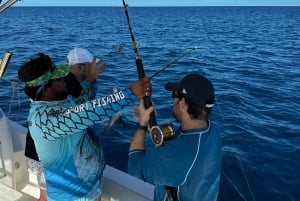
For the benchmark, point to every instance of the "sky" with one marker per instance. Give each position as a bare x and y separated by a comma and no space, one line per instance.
157,2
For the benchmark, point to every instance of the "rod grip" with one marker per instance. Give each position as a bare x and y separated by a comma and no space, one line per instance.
140,68
147,99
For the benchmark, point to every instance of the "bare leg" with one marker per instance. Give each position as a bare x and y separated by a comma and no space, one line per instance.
43,195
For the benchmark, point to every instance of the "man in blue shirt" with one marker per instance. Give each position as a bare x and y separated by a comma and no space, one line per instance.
187,167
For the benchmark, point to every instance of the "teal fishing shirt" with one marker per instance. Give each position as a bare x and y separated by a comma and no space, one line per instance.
191,163
69,152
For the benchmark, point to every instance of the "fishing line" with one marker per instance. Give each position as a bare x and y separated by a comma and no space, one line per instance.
234,186
174,61
3,65
244,175
246,179
13,84
240,161
15,87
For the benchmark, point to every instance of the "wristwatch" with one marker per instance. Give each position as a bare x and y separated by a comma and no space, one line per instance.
140,127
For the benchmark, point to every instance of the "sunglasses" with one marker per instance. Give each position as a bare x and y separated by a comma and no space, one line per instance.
82,64
176,94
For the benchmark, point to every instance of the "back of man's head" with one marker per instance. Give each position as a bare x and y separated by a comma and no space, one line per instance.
35,67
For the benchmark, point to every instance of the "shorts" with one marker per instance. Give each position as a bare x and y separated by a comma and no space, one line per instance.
36,168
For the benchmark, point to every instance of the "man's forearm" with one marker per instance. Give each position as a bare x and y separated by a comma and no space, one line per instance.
138,141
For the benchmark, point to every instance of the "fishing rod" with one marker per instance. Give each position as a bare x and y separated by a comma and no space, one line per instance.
162,133
7,4
139,65
174,61
158,133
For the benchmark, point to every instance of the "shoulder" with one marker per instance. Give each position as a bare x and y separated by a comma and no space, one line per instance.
41,108
214,127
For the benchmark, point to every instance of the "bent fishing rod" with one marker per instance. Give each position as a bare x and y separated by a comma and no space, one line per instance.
159,134
139,66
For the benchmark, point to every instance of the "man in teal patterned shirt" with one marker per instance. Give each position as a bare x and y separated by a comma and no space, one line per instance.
70,156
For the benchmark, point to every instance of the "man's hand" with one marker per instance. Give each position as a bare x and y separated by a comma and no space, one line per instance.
141,87
142,114
94,69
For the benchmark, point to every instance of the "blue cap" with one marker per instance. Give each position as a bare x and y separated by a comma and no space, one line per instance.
195,88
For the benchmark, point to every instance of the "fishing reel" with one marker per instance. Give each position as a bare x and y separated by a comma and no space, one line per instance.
161,134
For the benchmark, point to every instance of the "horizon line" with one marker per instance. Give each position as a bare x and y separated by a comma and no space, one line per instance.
160,6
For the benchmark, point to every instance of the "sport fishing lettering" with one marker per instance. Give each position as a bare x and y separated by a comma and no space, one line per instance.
108,99
99,102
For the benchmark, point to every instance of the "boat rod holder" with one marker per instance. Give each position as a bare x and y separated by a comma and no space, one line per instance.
4,62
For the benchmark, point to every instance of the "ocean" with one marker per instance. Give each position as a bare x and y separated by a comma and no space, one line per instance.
251,54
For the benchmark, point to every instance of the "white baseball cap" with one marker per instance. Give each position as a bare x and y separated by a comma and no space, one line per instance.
80,55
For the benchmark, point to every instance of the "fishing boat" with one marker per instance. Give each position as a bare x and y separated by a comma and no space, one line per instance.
16,183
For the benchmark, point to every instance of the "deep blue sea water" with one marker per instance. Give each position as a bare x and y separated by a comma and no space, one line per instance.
251,54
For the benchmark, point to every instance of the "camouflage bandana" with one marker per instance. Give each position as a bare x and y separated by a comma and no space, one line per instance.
58,72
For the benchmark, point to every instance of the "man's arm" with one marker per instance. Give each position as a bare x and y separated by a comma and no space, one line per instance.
138,141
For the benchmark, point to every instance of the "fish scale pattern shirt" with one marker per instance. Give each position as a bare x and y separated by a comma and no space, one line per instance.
68,150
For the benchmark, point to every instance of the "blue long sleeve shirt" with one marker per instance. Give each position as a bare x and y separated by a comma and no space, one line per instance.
191,163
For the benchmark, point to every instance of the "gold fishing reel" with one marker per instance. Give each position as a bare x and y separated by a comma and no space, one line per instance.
163,133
